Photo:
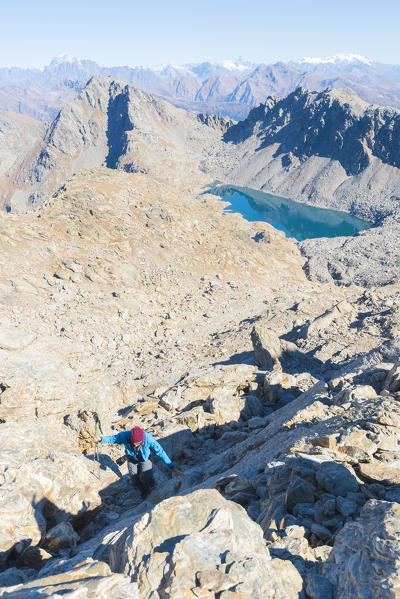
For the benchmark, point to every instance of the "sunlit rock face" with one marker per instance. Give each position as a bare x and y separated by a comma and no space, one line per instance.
201,542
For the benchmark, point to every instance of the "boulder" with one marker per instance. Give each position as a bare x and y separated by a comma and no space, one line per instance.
318,586
34,557
313,412
346,506
61,536
376,471
14,576
386,437
256,422
125,393
277,384
299,491
266,345
171,400
388,413
224,407
358,392
365,558
336,478
289,548
392,382
238,483
42,482
21,523
194,419
201,545
232,378
327,441
294,531
357,442
320,531
232,482
84,423
252,407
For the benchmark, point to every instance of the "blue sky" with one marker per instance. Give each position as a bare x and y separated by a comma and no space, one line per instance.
154,32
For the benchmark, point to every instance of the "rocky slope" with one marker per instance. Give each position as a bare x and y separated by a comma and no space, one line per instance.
37,103
20,139
137,303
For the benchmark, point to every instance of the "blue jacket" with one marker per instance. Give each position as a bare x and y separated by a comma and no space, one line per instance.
143,454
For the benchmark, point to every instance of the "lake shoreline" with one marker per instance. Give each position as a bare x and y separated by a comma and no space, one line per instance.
296,219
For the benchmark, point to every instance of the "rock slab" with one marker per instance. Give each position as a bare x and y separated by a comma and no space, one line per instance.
202,545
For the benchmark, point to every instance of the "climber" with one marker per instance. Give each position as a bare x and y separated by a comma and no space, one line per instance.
138,447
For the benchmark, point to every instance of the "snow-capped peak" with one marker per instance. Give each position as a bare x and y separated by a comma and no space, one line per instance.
63,58
337,58
164,69
234,66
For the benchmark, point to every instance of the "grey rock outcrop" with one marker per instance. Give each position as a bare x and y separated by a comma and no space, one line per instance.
268,347
364,561
60,536
392,382
332,124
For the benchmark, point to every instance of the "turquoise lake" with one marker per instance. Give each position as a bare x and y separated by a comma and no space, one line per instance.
297,220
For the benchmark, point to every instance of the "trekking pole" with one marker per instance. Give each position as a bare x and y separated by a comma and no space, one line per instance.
97,419
96,445
96,455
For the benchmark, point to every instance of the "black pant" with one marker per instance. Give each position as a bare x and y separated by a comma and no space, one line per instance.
142,476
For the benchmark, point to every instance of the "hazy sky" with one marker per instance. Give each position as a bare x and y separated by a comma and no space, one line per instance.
162,31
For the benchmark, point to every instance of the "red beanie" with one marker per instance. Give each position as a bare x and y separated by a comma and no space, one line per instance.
137,435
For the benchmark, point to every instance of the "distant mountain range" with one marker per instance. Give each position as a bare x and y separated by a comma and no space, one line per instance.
230,88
